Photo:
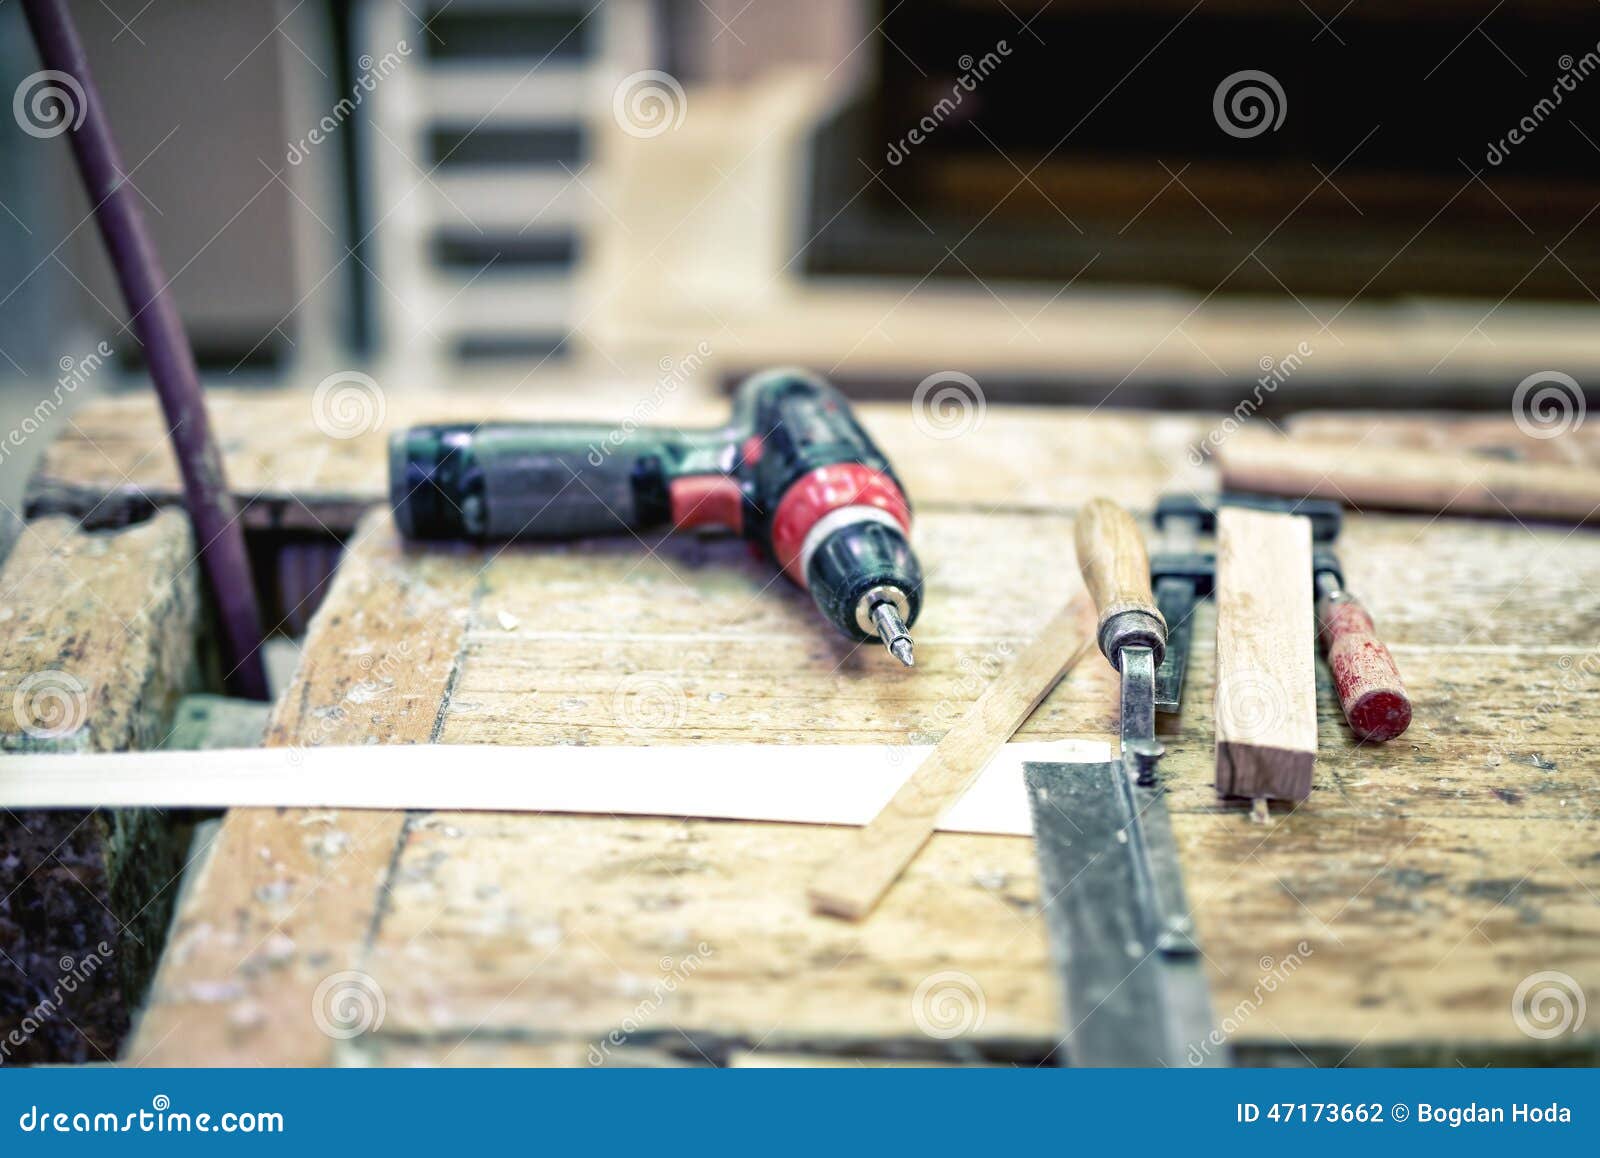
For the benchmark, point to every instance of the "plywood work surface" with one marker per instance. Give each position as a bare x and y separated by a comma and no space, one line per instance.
1396,912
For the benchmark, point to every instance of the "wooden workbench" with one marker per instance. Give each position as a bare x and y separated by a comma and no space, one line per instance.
1421,883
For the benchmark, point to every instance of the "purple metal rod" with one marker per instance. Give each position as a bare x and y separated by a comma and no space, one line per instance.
218,536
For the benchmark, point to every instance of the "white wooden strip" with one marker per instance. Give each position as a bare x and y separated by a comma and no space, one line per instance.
806,784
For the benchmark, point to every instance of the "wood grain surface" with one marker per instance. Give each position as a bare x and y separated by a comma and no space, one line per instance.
1266,730
98,640
1414,890
286,898
853,884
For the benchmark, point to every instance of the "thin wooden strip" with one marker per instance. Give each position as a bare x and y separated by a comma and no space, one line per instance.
1266,675
852,885
803,784
1389,478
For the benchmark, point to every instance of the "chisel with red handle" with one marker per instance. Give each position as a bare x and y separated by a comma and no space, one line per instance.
1364,673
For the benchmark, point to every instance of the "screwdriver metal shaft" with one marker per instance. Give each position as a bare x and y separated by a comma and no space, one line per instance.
892,630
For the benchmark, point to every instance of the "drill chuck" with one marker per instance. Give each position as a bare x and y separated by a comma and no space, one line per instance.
861,565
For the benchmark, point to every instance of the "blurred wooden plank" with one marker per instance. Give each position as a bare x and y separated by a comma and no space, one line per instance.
97,644
739,272
1495,436
295,465
1409,479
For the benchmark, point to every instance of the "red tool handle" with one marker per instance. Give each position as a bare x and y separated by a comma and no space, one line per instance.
1370,691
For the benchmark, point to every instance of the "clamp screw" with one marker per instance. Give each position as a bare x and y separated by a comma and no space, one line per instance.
1146,755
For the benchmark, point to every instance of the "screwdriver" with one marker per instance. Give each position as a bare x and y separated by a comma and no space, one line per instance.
792,470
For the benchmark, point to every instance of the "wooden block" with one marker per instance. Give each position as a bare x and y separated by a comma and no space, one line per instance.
1266,674
852,885
97,644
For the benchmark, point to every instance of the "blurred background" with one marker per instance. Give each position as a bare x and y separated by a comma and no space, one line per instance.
1067,201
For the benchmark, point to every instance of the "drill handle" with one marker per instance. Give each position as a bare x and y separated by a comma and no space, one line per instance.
546,480
1116,570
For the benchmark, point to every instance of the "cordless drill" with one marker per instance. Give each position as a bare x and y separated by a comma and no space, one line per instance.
792,470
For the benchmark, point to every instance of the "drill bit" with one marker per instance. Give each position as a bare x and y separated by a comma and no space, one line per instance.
892,630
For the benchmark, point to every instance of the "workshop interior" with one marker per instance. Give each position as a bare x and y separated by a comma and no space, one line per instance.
856,533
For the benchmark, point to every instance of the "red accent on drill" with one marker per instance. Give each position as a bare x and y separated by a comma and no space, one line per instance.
823,491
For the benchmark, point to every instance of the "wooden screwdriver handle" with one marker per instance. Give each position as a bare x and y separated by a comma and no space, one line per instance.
1116,570
1370,692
